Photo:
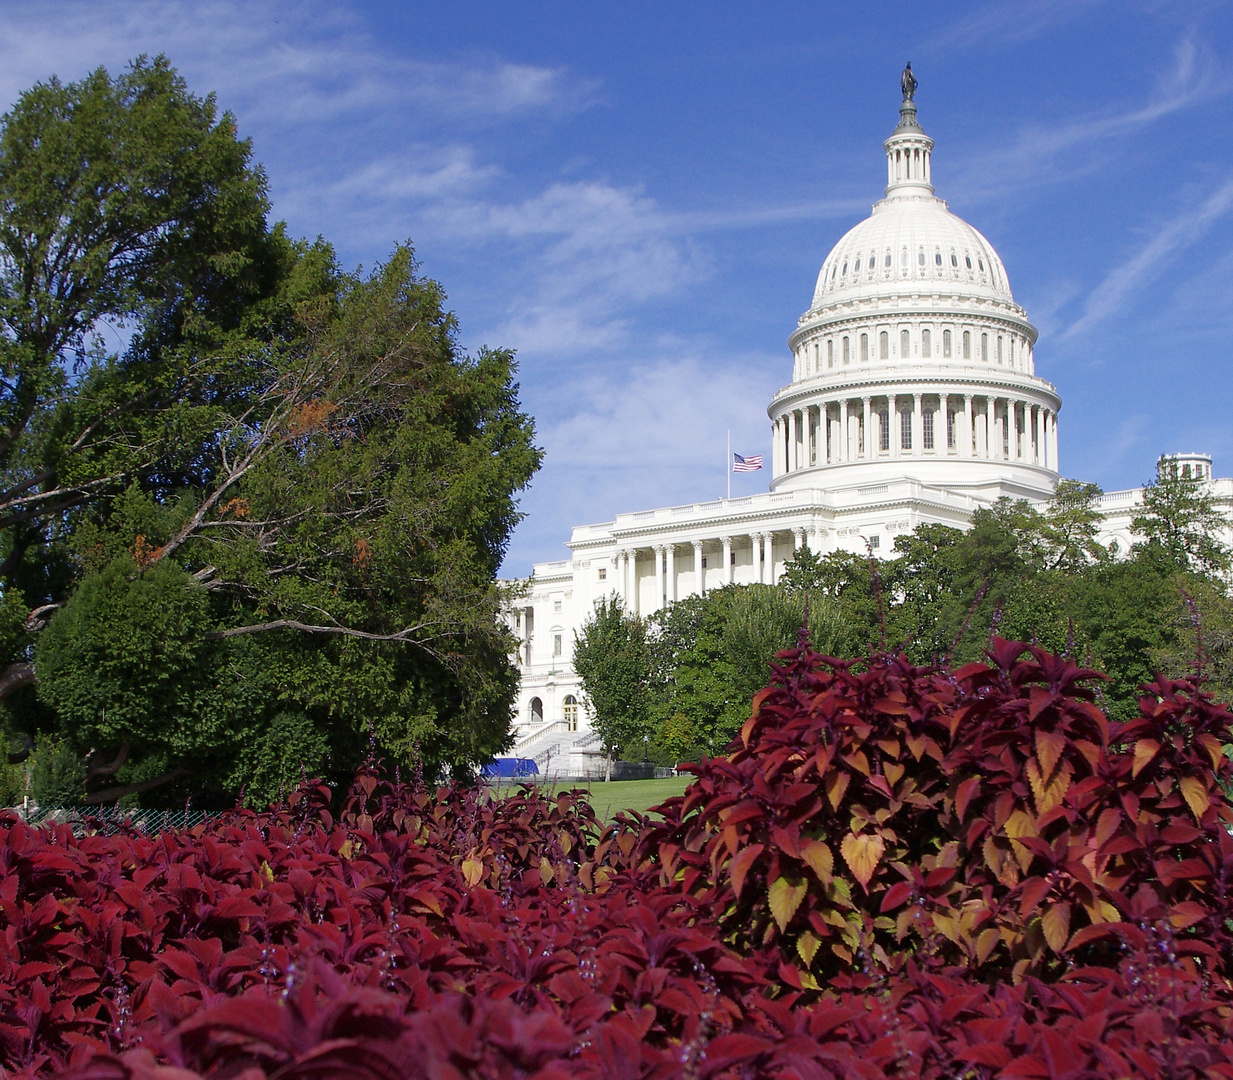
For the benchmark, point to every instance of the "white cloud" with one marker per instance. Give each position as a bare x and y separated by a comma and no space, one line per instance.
1042,153
1005,23
1152,258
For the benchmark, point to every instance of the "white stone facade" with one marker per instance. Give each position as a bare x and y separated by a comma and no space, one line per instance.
913,400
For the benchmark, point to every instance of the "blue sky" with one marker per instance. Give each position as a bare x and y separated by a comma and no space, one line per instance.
637,197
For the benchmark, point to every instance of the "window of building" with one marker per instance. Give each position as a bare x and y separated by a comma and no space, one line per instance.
967,344
999,348
884,345
732,558
556,605
984,347
981,264
536,708
603,573
905,431
905,343
830,354
954,260
557,641
903,258
926,343
946,344
857,268
920,257
703,562
875,541
968,260
864,346
569,711
844,270
927,429
847,350
937,258
950,429
884,429
887,261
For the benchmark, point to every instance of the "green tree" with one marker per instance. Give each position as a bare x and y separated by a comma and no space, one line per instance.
1180,522
610,656
1072,523
301,459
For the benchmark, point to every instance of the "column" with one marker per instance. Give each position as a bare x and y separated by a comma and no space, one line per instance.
623,576
769,546
967,447
658,552
844,435
759,555
699,573
670,584
634,598
798,539
1051,442
918,427
1038,444
727,543
982,430
867,450
792,463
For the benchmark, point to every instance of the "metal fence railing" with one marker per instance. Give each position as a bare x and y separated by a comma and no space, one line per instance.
111,819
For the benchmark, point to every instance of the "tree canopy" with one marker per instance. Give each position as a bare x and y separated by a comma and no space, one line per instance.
264,532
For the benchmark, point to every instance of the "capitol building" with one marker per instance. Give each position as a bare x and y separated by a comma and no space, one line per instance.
913,400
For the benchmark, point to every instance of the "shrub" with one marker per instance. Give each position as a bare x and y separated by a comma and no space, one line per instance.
896,871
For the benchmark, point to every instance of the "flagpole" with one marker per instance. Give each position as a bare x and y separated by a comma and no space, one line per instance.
728,467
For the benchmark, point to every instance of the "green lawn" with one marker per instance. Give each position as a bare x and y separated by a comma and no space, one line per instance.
640,795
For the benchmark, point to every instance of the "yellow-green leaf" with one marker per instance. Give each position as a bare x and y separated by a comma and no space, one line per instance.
1145,750
862,854
836,784
807,946
785,896
1194,791
546,873
818,858
472,871
1056,925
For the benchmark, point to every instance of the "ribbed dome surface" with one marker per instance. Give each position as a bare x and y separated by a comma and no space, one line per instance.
911,242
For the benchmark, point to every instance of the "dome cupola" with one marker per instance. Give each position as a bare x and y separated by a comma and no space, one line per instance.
914,347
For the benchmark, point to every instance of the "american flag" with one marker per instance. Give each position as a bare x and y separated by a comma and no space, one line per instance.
752,463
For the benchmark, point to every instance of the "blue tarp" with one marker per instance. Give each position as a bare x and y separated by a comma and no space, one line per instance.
511,768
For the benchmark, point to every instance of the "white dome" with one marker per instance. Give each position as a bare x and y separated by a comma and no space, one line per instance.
908,240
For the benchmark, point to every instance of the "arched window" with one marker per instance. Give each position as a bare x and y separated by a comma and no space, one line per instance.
999,348
937,258
967,344
864,347
926,343
569,712
830,353
536,708
984,347
905,343
954,260
884,345
920,257
981,264
967,259
847,350
887,261
857,268
903,258
945,344
844,270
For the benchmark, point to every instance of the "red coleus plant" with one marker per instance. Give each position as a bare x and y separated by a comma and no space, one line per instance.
896,871
987,818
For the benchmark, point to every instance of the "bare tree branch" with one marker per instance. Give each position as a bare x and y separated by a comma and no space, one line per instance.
16,676
308,628
112,794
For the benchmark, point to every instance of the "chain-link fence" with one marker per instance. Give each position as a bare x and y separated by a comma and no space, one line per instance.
111,819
